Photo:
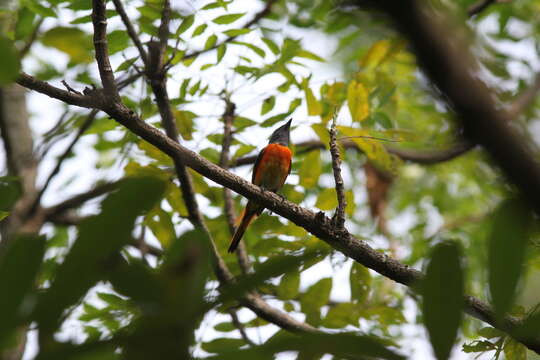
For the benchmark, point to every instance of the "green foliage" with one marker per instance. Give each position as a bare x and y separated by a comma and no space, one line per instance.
310,61
507,248
443,294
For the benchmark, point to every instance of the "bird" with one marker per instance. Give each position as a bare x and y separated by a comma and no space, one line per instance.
270,171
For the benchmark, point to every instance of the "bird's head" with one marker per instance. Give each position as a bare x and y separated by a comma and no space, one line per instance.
282,134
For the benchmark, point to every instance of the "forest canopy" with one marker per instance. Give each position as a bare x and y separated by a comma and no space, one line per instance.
407,228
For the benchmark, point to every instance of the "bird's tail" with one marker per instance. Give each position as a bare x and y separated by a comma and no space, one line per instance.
241,229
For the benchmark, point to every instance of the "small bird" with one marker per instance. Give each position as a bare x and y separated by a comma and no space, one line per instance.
271,168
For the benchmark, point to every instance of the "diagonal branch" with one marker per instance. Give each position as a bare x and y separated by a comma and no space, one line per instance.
478,7
317,224
339,216
131,30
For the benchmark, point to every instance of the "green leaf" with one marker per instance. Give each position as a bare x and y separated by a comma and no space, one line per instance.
199,30
126,64
221,52
219,345
506,253
10,191
341,315
25,23
310,170
227,19
210,42
327,199
72,41
288,286
345,345
225,327
236,32
185,123
159,221
360,282
313,105
17,281
9,61
309,55
100,238
316,296
118,40
514,350
257,50
185,24
268,104
36,7
271,45
443,291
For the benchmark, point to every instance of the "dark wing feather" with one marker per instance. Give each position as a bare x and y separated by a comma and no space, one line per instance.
256,166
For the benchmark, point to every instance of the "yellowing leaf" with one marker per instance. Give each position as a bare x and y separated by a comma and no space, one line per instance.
375,54
74,42
327,199
154,153
358,100
313,105
185,124
310,170
373,148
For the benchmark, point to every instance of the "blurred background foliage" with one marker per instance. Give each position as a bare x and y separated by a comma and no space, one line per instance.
309,60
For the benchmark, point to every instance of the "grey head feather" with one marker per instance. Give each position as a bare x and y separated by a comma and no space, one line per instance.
282,135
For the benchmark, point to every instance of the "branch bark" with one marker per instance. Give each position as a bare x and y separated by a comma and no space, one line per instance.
339,217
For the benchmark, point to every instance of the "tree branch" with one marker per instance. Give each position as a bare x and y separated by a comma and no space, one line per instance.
425,157
131,30
339,217
317,224
99,20
478,7
525,99
85,125
450,66
86,101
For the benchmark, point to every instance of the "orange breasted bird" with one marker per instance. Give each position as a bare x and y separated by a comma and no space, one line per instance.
271,168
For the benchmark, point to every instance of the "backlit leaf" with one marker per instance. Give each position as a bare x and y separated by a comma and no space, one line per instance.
227,19
443,291
358,101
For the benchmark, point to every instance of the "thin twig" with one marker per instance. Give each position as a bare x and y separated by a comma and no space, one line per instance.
85,125
228,204
478,7
525,99
33,36
69,88
237,324
339,217
131,30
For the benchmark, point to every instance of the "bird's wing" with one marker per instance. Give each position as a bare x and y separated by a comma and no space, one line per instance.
256,166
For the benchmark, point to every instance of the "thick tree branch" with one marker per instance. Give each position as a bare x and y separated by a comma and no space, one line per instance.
131,30
339,216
